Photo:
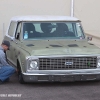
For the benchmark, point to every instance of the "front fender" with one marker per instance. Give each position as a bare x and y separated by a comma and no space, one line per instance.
22,60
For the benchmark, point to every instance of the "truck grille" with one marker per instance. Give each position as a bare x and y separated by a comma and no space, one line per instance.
67,63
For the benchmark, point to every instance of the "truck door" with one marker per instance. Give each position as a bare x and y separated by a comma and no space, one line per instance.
10,37
16,43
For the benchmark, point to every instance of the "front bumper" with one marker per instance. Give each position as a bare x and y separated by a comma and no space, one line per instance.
62,76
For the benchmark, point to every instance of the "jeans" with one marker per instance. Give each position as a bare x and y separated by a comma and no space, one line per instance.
6,72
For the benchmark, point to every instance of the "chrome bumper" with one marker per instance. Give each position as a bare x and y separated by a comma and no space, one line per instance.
62,76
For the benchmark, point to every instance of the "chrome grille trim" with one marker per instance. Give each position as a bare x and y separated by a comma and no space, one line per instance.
67,63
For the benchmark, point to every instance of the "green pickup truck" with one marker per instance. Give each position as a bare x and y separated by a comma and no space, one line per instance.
51,49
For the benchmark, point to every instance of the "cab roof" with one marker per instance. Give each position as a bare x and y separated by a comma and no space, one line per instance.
44,18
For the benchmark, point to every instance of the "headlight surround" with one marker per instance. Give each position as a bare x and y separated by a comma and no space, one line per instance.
98,62
32,64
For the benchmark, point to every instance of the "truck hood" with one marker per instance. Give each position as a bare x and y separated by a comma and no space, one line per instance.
61,47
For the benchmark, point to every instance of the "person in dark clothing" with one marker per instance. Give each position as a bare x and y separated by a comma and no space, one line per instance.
5,69
46,28
63,31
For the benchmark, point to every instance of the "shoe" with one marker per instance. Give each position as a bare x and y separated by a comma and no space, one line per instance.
7,80
1,82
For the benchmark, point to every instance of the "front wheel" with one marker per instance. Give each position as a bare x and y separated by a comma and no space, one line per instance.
20,78
19,72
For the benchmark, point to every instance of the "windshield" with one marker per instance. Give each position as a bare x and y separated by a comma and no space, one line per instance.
50,30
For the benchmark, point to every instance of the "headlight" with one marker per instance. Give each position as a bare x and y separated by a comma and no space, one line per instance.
33,65
98,62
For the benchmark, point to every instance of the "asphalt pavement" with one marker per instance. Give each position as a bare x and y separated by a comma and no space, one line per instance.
49,91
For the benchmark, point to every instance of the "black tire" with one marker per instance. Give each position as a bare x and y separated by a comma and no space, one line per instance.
19,72
20,78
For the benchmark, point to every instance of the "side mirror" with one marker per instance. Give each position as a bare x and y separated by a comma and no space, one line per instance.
89,38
